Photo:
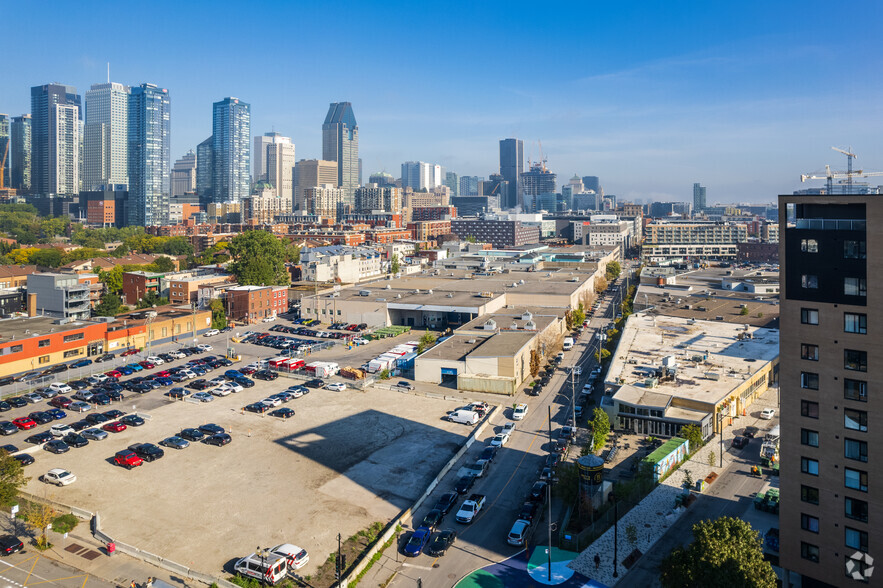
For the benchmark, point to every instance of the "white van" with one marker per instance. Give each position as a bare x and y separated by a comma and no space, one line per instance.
466,417
271,568
568,343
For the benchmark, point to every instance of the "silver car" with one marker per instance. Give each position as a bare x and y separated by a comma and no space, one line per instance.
175,442
94,434
203,397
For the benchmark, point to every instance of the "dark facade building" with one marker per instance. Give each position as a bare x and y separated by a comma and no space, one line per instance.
511,168
831,489
51,147
592,183
340,143
431,213
204,171
538,180
473,205
149,156
20,152
499,233
497,186
663,209
756,252
52,205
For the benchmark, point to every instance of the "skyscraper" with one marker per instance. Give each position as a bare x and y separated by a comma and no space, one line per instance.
592,183
184,175
55,139
106,136
420,175
452,181
340,143
469,185
259,170
698,198
312,173
280,169
511,168
20,151
4,148
204,171
538,180
231,150
149,155
831,487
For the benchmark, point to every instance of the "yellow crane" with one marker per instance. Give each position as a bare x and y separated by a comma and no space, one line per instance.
830,176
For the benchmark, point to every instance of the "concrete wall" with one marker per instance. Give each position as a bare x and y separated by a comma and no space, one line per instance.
487,384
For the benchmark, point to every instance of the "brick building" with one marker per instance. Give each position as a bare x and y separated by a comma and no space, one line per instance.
251,304
429,230
499,233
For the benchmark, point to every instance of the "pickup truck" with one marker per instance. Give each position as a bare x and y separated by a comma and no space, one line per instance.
470,508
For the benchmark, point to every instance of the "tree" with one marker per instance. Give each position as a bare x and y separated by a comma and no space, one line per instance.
164,264
613,270
631,535
47,258
579,315
258,259
693,434
12,478
688,479
471,239
292,253
110,305
711,458
725,553
113,279
39,516
151,299
219,317
744,311
600,428
534,363
394,264
600,285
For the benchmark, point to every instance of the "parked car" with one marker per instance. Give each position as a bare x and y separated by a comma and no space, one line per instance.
518,534
464,484
767,413
127,458
336,386
95,434
60,430
147,451
10,544
417,542
175,442
519,412
75,440
24,459
218,439
446,502
191,434
750,432
432,519
283,413
740,442
57,446
442,542
115,427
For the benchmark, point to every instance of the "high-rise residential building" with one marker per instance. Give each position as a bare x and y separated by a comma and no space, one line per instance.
106,136
538,180
55,139
469,185
324,200
452,181
311,173
4,148
340,143
184,175
231,150
381,198
592,183
259,169
382,179
280,169
149,155
20,151
831,489
205,171
420,175
511,168
698,197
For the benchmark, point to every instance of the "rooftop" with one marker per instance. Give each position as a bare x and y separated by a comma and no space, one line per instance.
504,344
37,326
455,348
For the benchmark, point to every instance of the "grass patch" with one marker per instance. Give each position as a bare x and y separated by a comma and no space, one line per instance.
375,558
352,548
64,523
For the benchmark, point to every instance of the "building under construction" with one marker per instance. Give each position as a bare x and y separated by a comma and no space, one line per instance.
538,180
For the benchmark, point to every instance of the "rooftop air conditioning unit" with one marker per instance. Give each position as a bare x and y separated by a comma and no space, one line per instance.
449,295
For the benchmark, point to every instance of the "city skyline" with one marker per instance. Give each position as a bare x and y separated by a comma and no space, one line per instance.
694,93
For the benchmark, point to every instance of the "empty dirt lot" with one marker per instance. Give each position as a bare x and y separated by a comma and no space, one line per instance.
345,460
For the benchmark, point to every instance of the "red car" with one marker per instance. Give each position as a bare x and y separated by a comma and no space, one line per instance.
61,402
163,374
114,374
24,423
127,459
147,365
128,353
114,427
247,370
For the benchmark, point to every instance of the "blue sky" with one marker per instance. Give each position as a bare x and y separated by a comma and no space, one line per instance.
650,96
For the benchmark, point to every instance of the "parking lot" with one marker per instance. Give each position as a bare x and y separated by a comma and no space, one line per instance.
345,460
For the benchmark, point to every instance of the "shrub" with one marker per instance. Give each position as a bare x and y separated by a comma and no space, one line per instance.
64,523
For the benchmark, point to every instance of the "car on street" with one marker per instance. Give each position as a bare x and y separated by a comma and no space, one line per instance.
127,458
59,477
487,454
10,544
740,442
404,385
499,440
464,484
518,534
432,519
766,414
528,511
417,542
211,333
441,543
750,432
537,492
218,439
175,442
519,412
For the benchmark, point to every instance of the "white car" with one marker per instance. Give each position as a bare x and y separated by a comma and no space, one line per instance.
59,477
155,360
178,354
274,402
768,413
297,557
336,386
211,333
234,387
519,411
60,387
222,390
500,439
360,341
61,430
205,347
190,375
99,378
269,319
508,427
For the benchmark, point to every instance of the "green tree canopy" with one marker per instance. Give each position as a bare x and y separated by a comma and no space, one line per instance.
164,264
693,434
12,478
110,305
112,279
258,259
725,553
613,270
578,316
394,264
152,299
219,317
600,428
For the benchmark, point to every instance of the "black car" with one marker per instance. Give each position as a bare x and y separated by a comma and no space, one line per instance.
17,402
537,492
567,433
528,511
39,438
7,428
446,502
57,446
316,383
166,357
441,542
80,425
4,406
113,414
198,385
265,375
96,418
7,380
41,418
488,454
218,439
283,413
464,484
132,420
9,448
177,393
211,429
258,407
100,400
750,432
147,451
24,459
245,382
103,358
79,384
10,544
75,440
433,519
191,434
552,461
740,442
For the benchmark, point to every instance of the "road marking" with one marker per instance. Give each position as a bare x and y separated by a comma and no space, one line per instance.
36,558
59,579
32,570
407,565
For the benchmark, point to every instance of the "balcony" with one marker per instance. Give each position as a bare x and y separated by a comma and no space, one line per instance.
830,224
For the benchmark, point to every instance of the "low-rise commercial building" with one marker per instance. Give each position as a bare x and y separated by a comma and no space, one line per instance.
499,233
251,304
341,264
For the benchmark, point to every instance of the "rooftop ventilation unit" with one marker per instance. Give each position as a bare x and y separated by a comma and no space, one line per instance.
530,326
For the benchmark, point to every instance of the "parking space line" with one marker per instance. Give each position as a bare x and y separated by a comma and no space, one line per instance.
36,559
86,576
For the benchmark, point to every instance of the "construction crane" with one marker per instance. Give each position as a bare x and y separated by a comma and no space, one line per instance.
850,173
849,157
3,166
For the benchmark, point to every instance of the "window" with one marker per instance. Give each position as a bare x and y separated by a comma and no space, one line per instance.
854,250
855,360
43,343
809,316
809,409
74,337
856,420
855,449
809,523
854,287
72,353
809,352
855,323
808,437
809,245
855,390
857,509
809,281
43,359
809,466
856,539
809,494
15,349
855,479
809,381
810,552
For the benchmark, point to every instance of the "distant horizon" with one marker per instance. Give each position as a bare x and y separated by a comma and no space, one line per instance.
742,99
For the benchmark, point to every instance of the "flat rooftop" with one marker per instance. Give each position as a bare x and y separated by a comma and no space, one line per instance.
456,348
36,326
505,318
647,339
504,344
